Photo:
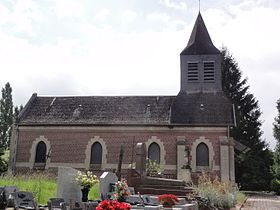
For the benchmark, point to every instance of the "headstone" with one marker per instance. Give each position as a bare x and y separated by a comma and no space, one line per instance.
23,200
105,183
67,187
141,156
55,203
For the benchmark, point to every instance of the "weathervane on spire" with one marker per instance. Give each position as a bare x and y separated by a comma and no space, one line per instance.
199,5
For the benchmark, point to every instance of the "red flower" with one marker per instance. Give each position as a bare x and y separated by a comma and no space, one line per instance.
168,199
113,205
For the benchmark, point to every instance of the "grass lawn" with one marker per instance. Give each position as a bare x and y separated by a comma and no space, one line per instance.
41,186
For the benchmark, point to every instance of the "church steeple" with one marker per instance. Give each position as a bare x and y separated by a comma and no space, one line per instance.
200,62
200,41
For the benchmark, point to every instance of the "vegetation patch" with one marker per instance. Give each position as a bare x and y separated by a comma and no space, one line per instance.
216,194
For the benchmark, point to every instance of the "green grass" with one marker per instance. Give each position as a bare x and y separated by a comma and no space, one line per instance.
42,186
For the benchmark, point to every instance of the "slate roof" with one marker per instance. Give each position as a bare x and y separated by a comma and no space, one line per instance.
200,42
127,110
202,109
97,110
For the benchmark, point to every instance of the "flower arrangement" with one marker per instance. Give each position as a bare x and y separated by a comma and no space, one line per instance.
121,190
113,205
168,199
152,168
87,179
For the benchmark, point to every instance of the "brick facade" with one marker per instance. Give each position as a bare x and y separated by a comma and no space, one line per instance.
69,145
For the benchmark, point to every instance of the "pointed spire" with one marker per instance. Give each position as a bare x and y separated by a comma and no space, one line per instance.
200,42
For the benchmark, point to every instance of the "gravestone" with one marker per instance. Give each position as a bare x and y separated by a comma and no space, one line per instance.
141,156
67,187
106,181
23,200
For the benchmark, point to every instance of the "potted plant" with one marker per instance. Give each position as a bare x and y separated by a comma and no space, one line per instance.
168,200
86,181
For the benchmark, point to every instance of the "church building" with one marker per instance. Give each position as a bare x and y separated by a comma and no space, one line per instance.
86,132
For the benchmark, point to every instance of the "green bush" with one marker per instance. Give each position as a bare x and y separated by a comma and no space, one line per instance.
216,193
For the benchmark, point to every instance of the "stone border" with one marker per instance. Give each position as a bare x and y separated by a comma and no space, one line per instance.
88,152
33,151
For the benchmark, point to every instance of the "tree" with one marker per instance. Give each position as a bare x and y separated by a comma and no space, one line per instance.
276,164
252,168
17,110
6,116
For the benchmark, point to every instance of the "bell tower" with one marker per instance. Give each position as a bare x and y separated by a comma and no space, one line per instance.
200,62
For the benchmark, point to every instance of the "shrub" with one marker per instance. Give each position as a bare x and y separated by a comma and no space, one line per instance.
216,193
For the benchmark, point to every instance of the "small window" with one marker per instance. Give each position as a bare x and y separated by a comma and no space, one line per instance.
41,150
209,71
96,154
192,72
202,155
154,152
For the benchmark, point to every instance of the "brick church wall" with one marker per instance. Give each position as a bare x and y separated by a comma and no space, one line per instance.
68,144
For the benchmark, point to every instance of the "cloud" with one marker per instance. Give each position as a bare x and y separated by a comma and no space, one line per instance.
102,15
181,5
68,8
128,16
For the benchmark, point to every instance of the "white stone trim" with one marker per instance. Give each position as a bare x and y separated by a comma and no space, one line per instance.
212,165
161,146
88,151
33,151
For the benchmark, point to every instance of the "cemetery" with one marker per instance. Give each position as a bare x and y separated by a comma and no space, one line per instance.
133,190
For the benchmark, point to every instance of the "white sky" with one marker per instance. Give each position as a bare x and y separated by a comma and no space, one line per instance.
132,47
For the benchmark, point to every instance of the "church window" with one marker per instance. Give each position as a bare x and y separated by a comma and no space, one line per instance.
193,71
154,152
41,150
209,71
202,155
96,154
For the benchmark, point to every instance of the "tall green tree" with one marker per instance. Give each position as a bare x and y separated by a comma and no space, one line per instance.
17,110
276,165
252,168
6,116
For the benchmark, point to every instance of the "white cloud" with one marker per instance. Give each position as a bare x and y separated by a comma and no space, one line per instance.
128,16
68,8
4,14
102,15
181,5
158,17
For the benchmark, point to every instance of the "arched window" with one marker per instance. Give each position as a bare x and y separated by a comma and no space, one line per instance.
202,155
41,150
96,154
154,152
